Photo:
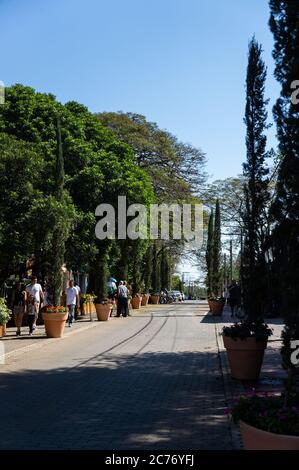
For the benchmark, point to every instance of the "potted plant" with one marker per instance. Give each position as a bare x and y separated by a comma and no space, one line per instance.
88,303
103,305
136,301
4,316
216,304
55,318
155,297
268,422
144,299
245,343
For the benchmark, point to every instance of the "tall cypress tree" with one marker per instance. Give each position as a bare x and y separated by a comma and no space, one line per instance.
156,271
54,284
284,23
216,259
255,172
209,253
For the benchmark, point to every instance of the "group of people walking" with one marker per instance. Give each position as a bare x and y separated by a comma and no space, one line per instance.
29,299
121,293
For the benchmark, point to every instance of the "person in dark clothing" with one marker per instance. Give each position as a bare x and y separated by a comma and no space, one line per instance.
18,306
234,298
122,300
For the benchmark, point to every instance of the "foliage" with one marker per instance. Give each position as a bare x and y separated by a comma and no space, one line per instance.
268,413
209,253
5,313
216,257
87,298
256,186
213,254
284,25
56,309
177,169
247,329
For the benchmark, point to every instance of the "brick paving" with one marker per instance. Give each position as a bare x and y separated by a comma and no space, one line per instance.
150,381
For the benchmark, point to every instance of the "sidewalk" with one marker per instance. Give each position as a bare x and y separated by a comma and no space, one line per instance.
17,345
272,373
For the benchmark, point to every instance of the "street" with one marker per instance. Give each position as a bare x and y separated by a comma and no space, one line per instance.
150,381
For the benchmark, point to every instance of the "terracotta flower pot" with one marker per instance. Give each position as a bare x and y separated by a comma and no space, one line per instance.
155,299
144,300
256,439
216,307
103,311
54,324
245,357
2,330
136,302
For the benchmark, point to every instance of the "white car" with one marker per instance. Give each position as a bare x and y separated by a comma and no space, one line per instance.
177,295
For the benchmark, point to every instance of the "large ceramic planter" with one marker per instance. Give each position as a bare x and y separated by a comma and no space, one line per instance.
54,324
216,307
136,302
155,299
144,300
256,439
245,357
2,330
103,311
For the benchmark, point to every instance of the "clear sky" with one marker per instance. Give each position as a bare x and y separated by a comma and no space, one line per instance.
181,63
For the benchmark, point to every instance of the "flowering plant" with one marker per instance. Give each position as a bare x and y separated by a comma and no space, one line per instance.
268,413
4,312
216,298
88,297
56,309
245,329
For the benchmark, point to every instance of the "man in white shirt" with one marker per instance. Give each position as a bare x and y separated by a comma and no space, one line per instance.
34,297
72,298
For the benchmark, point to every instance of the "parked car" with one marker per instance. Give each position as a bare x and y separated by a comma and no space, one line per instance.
177,295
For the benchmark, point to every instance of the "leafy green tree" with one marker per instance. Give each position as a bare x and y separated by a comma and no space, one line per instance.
20,165
256,193
177,169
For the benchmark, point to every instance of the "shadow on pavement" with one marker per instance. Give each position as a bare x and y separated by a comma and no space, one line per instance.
147,401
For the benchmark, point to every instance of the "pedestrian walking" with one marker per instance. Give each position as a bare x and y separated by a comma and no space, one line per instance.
72,299
34,297
234,298
122,300
78,304
19,306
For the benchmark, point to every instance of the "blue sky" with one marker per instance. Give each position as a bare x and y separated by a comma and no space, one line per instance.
181,63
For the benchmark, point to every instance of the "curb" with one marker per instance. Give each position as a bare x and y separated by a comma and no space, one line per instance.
231,388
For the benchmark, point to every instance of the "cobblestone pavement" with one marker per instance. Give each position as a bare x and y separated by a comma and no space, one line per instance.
150,381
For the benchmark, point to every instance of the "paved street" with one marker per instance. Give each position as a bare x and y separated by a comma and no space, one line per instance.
150,381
